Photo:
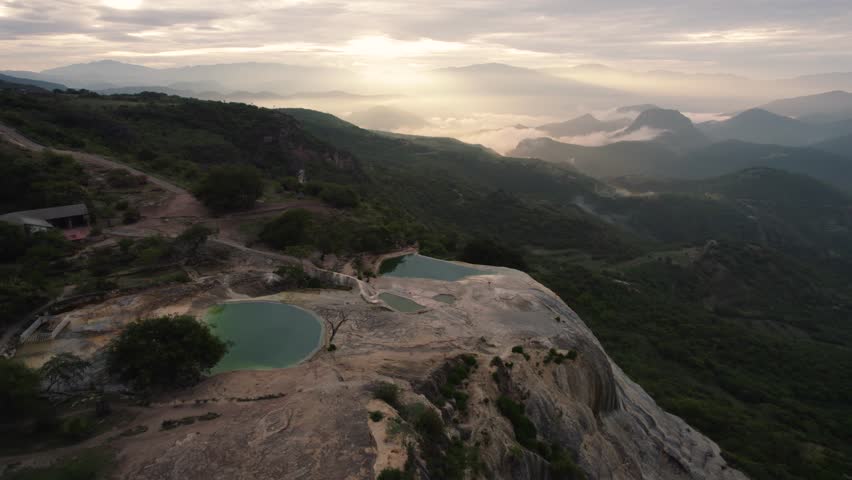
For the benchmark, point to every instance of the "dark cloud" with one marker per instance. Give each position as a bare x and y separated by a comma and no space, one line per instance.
155,17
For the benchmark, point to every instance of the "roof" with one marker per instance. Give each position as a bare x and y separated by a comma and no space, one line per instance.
51,213
21,220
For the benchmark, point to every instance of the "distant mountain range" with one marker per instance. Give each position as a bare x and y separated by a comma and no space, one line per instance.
820,108
656,160
280,78
761,126
583,125
8,80
841,146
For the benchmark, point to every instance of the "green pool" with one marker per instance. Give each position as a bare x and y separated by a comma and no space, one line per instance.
445,298
401,304
264,335
419,266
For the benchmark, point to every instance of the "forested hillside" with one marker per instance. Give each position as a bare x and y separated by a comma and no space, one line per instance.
727,298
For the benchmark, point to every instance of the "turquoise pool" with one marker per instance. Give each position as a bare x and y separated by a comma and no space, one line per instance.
264,335
401,304
419,266
445,298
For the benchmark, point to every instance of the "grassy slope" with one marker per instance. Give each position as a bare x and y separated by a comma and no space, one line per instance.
473,189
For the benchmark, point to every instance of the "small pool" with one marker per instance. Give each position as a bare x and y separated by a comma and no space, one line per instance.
419,266
445,298
401,304
264,335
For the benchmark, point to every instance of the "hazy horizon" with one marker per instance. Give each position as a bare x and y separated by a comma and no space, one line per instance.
752,38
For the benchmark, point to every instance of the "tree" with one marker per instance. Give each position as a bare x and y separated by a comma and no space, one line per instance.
164,352
64,370
19,389
186,244
488,252
289,229
339,196
17,296
230,187
13,241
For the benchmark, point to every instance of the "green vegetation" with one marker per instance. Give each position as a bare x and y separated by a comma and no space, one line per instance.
164,352
92,464
719,369
558,357
452,377
391,474
369,230
171,424
488,252
19,391
338,196
466,190
525,431
64,370
562,465
30,181
295,277
409,469
445,458
230,187
31,265
520,350
388,393
376,416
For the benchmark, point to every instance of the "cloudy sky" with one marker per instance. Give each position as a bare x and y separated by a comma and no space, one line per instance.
761,38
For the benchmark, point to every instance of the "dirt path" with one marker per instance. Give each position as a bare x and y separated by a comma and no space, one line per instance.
13,136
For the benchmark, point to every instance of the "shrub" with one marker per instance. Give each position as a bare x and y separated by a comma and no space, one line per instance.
164,352
388,393
339,196
524,428
77,428
13,241
429,424
488,252
559,357
289,229
391,474
376,416
230,187
131,215
121,178
19,389
562,466
519,349
187,244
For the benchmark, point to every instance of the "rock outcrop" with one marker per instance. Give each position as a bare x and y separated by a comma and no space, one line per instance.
506,342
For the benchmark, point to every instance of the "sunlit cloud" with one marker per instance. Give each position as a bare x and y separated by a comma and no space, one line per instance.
123,4
777,37
732,37
383,46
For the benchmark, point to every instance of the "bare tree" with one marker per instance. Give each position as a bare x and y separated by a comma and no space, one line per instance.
335,319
